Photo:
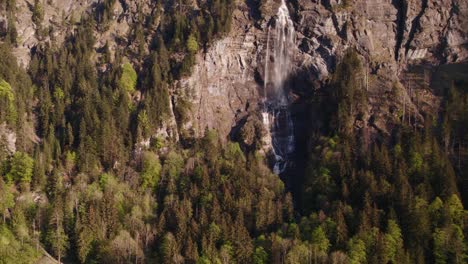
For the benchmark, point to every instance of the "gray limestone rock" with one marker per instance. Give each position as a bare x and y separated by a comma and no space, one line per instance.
227,80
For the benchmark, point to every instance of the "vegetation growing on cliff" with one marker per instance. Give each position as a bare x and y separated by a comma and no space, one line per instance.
388,199
92,181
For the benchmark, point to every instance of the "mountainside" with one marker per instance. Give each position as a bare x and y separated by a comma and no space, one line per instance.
389,35
223,131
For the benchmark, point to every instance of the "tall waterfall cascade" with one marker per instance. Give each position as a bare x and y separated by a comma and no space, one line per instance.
276,114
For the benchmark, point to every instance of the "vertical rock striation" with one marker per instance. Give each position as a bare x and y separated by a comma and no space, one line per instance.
227,83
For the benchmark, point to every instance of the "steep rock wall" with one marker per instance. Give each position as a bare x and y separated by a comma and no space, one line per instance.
226,83
389,34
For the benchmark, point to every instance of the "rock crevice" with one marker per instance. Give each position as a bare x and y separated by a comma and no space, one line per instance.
415,25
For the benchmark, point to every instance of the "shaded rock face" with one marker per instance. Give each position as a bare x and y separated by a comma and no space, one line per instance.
3,25
226,84
390,32
389,35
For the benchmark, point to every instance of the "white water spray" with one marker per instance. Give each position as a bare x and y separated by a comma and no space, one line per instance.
276,115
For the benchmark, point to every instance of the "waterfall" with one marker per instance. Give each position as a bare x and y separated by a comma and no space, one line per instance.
276,114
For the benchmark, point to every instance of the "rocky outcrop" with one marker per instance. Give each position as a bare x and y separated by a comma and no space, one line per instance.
60,17
227,81
7,140
403,30
222,87
389,34
57,15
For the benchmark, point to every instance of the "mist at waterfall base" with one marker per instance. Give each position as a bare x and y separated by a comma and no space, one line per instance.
276,113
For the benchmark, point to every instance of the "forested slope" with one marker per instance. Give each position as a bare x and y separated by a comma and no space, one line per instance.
96,165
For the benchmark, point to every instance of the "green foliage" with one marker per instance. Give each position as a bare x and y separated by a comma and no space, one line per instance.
85,244
104,13
320,240
435,211
56,236
260,256
457,250
393,242
38,13
87,135
157,103
6,91
173,164
7,103
104,180
12,36
449,245
6,199
455,209
144,124
440,246
192,45
13,251
19,225
298,254
182,111
221,14
128,79
416,162
204,260
151,170
357,251
359,184
348,96
70,161
168,248
21,168
234,152
58,241
16,97
204,200
157,143
186,66
123,249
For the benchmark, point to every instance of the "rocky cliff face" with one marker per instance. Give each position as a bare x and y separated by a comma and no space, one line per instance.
60,17
389,35
57,15
225,86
